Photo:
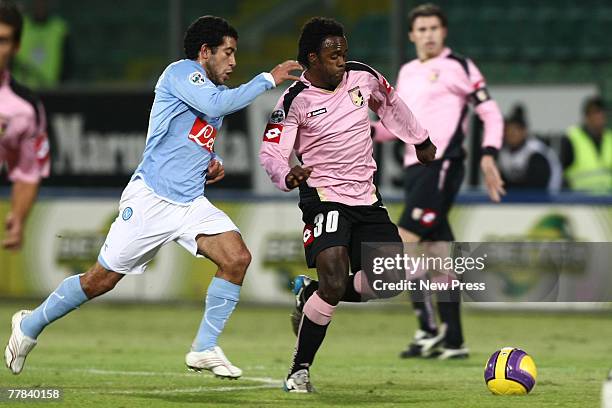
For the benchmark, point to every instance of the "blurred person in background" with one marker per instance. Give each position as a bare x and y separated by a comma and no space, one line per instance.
526,162
40,60
438,86
23,134
586,151
164,201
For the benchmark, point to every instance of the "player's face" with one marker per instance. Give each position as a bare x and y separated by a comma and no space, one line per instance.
330,62
220,64
8,46
428,36
514,134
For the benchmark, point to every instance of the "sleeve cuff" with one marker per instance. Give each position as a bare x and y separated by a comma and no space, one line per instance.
424,145
489,150
270,78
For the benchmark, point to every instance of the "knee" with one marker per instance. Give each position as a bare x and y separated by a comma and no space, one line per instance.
95,284
237,262
332,288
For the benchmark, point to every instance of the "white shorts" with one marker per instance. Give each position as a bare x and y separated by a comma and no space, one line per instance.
146,222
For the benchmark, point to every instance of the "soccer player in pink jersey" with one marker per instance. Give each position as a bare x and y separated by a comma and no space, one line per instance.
23,137
438,86
323,119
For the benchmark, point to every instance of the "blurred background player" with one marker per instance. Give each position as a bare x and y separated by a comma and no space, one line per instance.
524,161
438,86
40,61
324,117
586,151
23,135
164,201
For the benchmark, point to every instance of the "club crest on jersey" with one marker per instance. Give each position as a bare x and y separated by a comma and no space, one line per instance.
203,134
196,78
127,213
357,97
272,134
434,75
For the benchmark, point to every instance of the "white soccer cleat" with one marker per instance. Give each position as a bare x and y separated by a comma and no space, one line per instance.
429,344
19,345
214,361
299,382
453,353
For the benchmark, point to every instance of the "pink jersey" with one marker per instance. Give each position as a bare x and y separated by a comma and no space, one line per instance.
438,91
330,131
23,136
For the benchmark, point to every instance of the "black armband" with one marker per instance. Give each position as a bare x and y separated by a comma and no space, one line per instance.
479,96
490,151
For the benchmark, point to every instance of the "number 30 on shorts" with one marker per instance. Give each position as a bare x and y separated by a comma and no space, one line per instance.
331,225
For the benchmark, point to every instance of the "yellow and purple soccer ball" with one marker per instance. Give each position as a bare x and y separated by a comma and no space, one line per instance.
510,371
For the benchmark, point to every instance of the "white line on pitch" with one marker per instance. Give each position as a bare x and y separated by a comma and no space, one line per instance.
264,380
190,390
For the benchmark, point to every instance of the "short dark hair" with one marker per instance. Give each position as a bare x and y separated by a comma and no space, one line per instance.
594,103
427,10
517,116
10,15
314,32
208,30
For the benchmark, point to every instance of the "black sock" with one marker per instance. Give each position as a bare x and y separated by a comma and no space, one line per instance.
310,337
451,315
350,294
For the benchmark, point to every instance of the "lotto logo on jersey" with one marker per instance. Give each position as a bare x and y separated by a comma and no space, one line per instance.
386,84
428,218
308,235
41,146
203,134
273,132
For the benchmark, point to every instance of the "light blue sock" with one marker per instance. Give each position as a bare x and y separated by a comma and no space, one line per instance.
221,300
68,296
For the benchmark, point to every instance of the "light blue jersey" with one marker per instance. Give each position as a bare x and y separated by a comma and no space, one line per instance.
187,113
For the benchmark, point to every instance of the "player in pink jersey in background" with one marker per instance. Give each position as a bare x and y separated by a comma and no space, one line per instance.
23,137
438,86
323,119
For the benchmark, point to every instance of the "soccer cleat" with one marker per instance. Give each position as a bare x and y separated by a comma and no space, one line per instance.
453,353
299,382
19,345
303,288
214,361
424,344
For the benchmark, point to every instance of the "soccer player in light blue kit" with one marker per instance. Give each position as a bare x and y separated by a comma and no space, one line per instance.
164,201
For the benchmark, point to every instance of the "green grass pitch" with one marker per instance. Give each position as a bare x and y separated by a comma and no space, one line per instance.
132,356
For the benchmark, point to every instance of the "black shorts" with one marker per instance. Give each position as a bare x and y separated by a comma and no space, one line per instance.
430,193
330,224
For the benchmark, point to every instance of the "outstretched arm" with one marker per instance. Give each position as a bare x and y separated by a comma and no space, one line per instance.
201,94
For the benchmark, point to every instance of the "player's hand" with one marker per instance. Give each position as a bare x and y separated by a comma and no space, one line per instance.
427,154
215,172
13,237
282,72
493,181
296,176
